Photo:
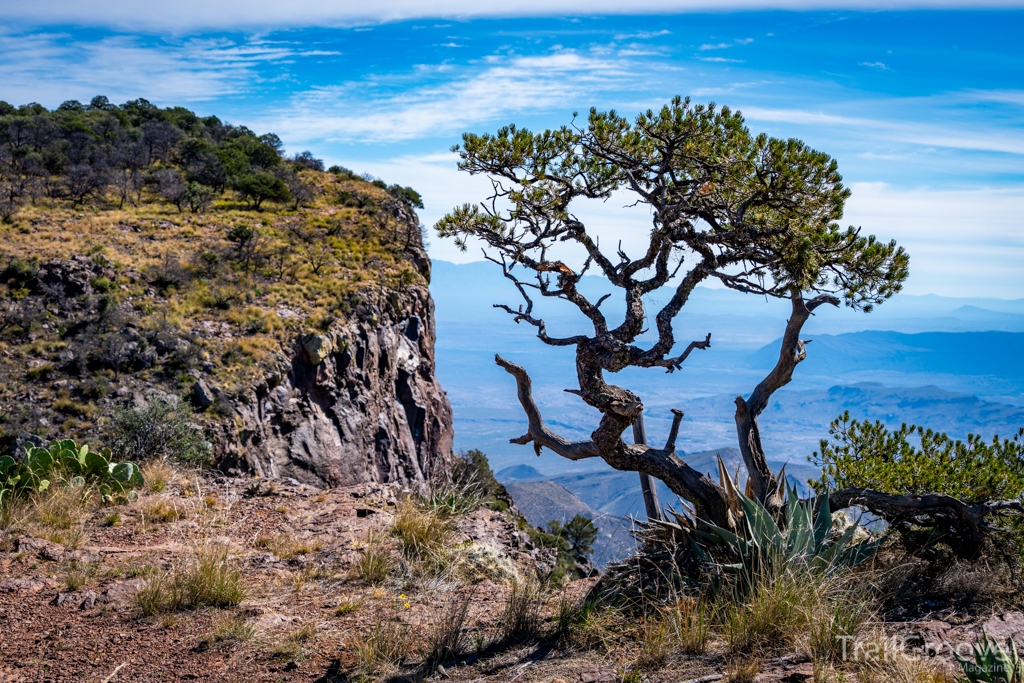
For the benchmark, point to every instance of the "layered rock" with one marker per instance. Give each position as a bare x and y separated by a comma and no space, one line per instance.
359,403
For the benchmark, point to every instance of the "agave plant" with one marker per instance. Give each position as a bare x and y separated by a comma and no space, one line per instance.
803,540
73,464
992,664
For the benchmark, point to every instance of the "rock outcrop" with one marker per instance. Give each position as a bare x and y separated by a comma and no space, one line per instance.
359,403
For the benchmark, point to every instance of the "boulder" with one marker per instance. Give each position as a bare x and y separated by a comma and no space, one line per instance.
40,547
123,591
20,586
317,348
202,396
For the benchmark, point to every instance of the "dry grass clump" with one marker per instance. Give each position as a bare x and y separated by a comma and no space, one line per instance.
878,659
383,648
582,623
162,511
742,671
423,536
229,628
285,546
78,574
205,579
655,646
447,637
520,620
290,647
374,565
158,474
796,608
347,606
58,514
689,623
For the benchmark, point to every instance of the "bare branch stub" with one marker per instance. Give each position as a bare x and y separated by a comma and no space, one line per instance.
754,213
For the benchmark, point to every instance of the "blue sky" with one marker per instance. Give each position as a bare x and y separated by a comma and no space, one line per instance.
923,108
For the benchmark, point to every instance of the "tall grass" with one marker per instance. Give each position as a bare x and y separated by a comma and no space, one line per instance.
520,620
382,648
447,637
205,579
422,534
375,562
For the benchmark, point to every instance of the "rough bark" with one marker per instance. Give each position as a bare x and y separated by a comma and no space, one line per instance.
763,483
936,516
710,500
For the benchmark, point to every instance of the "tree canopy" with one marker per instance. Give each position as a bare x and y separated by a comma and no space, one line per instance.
757,214
81,152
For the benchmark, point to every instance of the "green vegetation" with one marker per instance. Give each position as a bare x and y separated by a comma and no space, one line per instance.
131,257
804,540
915,460
161,429
866,454
64,463
579,533
205,579
83,153
992,664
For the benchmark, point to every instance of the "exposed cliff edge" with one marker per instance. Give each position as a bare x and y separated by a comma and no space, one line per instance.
301,337
359,403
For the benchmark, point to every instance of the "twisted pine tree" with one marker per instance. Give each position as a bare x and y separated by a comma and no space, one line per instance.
757,214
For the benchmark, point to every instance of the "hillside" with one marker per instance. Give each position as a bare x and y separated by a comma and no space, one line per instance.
542,501
152,254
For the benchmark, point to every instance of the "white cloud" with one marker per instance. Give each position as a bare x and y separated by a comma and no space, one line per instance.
968,136
221,14
53,67
643,35
961,243
722,60
506,86
880,66
723,46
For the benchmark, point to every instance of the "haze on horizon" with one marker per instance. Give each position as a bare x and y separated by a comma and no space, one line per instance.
923,106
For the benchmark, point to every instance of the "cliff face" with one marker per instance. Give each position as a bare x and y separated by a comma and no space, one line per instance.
359,403
304,339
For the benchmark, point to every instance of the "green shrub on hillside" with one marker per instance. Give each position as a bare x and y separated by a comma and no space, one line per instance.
915,460
161,429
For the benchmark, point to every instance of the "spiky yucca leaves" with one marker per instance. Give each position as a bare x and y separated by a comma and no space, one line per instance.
678,554
992,664
803,540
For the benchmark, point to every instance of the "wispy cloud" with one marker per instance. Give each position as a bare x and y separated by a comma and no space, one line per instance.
643,35
505,87
973,137
880,66
725,60
722,46
52,67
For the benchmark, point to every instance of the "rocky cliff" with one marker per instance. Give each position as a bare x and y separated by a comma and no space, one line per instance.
302,338
359,403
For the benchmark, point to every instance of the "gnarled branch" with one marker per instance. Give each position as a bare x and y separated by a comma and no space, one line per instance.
709,500
961,526
537,432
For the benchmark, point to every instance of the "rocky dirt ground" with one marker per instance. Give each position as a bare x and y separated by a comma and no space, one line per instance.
69,610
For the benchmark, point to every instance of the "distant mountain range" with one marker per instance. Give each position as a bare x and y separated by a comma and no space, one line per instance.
955,365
